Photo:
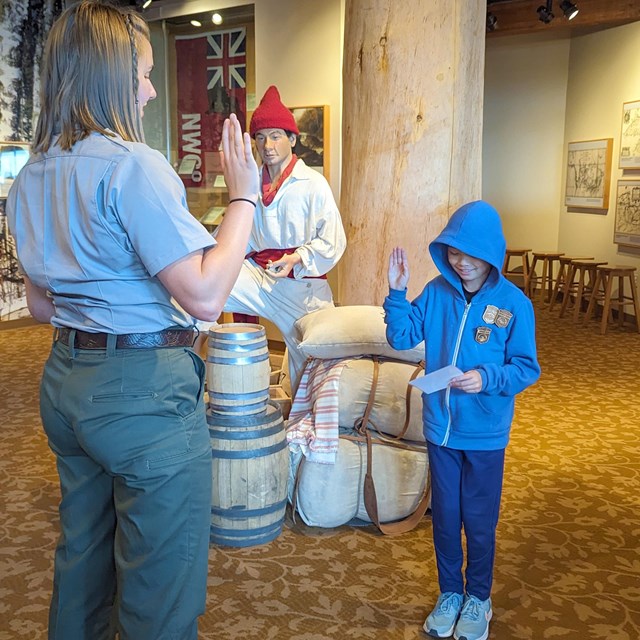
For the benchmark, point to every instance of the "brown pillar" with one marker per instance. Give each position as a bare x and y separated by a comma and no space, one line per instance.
412,133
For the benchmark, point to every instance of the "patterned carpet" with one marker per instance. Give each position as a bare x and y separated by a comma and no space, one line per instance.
568,562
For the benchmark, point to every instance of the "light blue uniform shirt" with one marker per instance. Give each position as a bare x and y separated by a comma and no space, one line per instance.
94,226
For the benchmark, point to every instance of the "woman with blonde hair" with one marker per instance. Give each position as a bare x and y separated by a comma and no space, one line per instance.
113,259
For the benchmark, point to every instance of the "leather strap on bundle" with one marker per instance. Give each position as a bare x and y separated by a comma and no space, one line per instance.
370,498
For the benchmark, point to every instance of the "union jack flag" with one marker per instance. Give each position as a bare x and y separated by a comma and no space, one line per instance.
226,59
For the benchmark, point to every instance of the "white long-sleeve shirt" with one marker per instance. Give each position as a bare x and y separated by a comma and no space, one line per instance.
303,214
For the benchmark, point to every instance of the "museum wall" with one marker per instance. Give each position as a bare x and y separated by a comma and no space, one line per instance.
541,94
524,119
604,72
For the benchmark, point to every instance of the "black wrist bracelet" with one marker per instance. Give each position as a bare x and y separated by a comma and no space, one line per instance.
243,200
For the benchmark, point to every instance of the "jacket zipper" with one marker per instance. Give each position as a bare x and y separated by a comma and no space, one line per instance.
467,306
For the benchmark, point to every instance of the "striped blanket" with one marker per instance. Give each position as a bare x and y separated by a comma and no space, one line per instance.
313,422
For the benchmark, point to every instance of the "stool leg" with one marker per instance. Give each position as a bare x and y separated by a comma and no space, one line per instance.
543,281
550,280
562,275
529,280
525,272
607,304
579,294
593,297
567,294
634,298
620,301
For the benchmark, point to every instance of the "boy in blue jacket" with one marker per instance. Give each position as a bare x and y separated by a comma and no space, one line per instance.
472,317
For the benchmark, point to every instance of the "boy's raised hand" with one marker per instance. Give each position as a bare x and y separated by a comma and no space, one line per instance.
398,269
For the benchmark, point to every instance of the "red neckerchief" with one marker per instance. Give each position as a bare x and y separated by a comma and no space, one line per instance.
269,190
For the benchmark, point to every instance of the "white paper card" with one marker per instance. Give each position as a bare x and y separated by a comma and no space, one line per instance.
436,380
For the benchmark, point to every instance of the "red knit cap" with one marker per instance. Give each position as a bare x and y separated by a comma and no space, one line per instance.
272,114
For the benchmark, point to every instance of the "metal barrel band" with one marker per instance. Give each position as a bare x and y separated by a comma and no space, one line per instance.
240,409
239,361
239,396
253,453
254,420
235,347
240,512
242,335
240,539
244,435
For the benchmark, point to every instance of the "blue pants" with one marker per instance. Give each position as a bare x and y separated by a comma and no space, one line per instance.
466,492
129,432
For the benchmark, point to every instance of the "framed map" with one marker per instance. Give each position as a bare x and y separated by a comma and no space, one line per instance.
627,226
589,174
630,137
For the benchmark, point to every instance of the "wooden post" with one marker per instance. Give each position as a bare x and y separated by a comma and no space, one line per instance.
412,133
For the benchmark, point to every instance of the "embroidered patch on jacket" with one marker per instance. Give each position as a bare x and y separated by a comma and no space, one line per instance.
499,317
503,317
490,313
482,334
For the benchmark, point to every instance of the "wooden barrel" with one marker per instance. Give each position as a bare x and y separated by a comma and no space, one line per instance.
250,466
238,369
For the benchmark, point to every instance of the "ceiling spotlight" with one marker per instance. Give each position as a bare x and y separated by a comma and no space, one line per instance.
146,3
569,9
216,18
195,23
492,21
544,13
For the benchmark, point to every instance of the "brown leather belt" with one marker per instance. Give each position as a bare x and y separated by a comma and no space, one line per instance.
165,338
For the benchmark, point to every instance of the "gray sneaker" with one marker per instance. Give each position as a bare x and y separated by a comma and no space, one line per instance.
442,620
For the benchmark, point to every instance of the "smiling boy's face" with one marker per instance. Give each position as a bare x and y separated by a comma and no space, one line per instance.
472,271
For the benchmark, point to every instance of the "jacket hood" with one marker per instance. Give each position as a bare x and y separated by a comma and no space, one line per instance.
475,229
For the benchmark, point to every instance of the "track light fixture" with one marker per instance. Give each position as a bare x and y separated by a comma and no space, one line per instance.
569,9
544,12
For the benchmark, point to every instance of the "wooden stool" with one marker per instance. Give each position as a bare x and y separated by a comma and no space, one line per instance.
561,280
546,278
603,288
580,282
507,270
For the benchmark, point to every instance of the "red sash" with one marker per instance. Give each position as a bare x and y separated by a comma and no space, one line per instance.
262,258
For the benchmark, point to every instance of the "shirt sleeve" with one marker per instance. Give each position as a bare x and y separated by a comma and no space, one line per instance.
148,198
327,244
404,319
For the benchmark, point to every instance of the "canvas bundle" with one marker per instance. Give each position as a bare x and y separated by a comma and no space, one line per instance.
333,495
379,475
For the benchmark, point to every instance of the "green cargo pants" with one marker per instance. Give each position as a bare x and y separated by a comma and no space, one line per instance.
129,432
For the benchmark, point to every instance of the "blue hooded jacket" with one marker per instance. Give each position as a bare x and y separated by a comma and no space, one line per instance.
494,333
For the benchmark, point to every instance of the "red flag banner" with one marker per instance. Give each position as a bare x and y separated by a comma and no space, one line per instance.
211,84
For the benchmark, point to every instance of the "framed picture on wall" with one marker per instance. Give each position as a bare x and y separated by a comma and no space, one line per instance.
312,144
588,174
630,137
627,224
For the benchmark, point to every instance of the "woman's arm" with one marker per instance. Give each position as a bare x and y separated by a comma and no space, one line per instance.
201,281
39,303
